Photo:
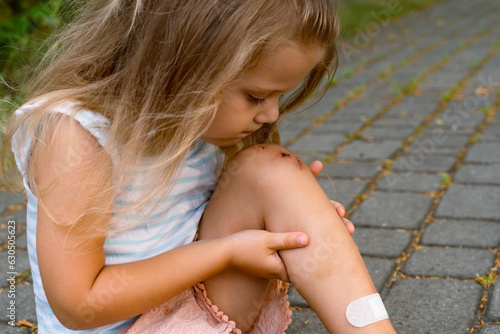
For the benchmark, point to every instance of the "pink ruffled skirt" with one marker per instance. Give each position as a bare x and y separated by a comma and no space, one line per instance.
192,312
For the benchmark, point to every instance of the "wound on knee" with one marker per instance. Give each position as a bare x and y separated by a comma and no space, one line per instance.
366,310
288,155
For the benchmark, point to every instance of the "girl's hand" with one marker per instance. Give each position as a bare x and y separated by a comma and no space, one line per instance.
255,252
316,167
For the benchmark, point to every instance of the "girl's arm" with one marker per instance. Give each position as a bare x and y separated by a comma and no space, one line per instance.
83,292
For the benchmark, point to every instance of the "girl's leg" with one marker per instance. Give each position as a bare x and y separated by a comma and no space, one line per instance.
267,187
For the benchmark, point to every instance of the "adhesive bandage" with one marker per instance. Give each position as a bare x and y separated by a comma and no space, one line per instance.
366,310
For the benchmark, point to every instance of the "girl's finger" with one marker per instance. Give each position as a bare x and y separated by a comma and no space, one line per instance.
349,225
316,167
289,240
339,207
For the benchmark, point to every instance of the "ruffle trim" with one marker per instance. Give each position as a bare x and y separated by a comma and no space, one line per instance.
277,288
286,313
214,310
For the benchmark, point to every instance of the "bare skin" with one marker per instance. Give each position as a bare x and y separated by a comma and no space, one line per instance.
260,194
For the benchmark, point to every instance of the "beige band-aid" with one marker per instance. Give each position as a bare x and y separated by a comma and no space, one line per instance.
366,310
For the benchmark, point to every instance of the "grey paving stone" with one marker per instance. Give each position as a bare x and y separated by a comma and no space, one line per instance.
409,182
295,298
381,242
22,241
318,143
326,104
369,150
468,233
340,128
438,131
456,116
490,329
493,306
437,306
353,169
350,113
7,199
305,322
388,133
421,162
439,138
478,174
486,139
380,270
368,103
474,202
19,217
441,151
7,329
450,262
289,134
343,191
484,153
395,210
412,109
295,123
404,122
21,265
24,302
492,129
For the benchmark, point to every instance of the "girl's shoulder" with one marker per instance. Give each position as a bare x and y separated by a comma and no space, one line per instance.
44,115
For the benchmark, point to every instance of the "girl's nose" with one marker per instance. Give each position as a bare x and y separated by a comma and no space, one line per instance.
268,115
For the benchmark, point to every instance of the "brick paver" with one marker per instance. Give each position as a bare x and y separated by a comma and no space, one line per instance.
410,140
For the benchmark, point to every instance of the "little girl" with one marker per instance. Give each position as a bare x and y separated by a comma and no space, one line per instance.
119,147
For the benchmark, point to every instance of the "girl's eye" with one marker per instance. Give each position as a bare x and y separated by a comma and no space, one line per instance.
256,100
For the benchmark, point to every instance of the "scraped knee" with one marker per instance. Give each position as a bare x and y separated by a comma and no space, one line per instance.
270,155
263,165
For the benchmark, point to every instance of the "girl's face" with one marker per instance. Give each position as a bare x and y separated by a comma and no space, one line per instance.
253,99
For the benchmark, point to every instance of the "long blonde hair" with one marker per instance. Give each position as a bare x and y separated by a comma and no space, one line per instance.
156,69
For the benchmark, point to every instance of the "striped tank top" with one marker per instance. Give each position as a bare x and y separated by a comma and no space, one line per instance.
171,224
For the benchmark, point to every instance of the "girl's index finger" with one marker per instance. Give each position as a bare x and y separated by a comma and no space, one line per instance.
339,207
316,167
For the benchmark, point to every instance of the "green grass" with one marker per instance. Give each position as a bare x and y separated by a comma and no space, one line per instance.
363,16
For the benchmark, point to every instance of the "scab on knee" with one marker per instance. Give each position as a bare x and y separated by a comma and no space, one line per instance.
269,158
285,155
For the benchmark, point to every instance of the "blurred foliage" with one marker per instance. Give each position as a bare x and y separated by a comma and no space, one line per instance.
355,15
24,26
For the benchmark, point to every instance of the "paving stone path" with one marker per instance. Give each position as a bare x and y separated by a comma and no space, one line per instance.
410,139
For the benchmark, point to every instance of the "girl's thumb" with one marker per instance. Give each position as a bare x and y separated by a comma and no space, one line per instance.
290,240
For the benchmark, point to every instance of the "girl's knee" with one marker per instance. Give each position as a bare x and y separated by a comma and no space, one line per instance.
264,164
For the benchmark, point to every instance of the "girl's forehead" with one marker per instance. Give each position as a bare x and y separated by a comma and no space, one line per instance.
282,69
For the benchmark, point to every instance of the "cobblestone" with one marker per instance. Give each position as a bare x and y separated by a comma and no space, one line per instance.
478,174
484,153
381,242
421,306
410,182
393,210
450,262
474,202
468,233
370,151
